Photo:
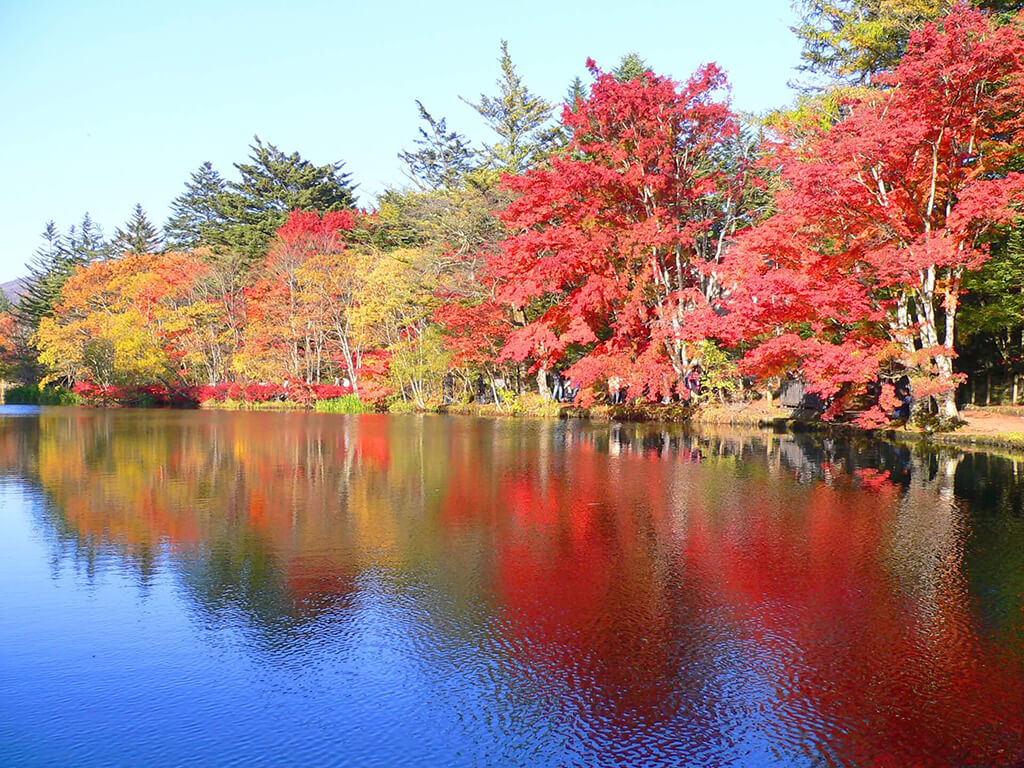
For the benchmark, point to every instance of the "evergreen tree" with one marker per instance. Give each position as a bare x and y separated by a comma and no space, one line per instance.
272,185
443,157
50,267
521,120
45,270
631,66
194,215
850,41
138,237
575,94
991,325
85,243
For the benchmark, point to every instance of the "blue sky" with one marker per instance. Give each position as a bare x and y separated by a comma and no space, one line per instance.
105,104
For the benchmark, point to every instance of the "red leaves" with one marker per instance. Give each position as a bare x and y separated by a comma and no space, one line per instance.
889,205
7,342
873,479
312,230
474,334
603,255
307,233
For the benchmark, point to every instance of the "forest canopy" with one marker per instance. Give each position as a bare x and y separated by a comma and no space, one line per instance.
639,243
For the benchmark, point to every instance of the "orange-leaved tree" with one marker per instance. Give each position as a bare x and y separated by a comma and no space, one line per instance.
117,320
297,324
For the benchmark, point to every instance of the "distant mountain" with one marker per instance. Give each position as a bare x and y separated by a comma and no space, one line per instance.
12,290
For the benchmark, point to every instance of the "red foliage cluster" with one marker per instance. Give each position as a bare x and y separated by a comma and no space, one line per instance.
880,215
159,394
263,393
313,231
475,334
610,243
149,394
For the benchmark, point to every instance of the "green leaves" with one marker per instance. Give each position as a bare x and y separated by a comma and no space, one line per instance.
53,263
443,157
521,120
273,184
239,218
138,237
195,217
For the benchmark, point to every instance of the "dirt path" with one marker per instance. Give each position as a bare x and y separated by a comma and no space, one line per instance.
995,427
981,421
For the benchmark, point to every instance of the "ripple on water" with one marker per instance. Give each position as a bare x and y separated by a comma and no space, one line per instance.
240,589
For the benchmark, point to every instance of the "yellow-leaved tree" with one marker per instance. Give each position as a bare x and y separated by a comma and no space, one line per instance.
117,320
392,310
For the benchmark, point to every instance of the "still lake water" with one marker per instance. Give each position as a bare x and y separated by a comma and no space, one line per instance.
203,588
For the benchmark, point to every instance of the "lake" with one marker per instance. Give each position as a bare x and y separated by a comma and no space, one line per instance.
214,588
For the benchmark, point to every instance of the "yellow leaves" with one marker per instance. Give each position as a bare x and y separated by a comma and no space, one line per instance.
389,214
113,318
328,278
104,348
861,37
139,358
393,293
60,347
256,363
419,362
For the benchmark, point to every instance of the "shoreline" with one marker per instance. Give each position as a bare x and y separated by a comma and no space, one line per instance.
968,436
985,428
752,415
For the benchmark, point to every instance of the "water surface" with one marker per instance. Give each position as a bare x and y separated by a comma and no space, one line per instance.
301,589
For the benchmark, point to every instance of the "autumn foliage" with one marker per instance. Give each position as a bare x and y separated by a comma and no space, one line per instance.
636,255
860,272
612,245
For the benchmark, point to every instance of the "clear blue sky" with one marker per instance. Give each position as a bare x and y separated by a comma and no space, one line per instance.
105,104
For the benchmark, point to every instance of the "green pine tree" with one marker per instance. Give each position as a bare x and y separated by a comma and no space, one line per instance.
575,94
194,216
272,185
990,328
50,267
139,236
631,66
850,41
521,120
85,243
442,158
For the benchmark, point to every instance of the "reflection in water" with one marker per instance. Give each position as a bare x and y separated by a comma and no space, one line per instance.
554,593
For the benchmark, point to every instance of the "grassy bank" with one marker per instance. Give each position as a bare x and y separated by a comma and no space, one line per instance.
32,394
345,404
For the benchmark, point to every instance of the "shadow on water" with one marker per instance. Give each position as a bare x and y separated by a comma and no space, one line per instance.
573,593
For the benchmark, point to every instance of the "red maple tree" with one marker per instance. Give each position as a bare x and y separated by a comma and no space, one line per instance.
613,245
879,216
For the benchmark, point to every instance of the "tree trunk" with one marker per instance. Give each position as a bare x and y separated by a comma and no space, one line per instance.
542,383
947,406
946,401
494,391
